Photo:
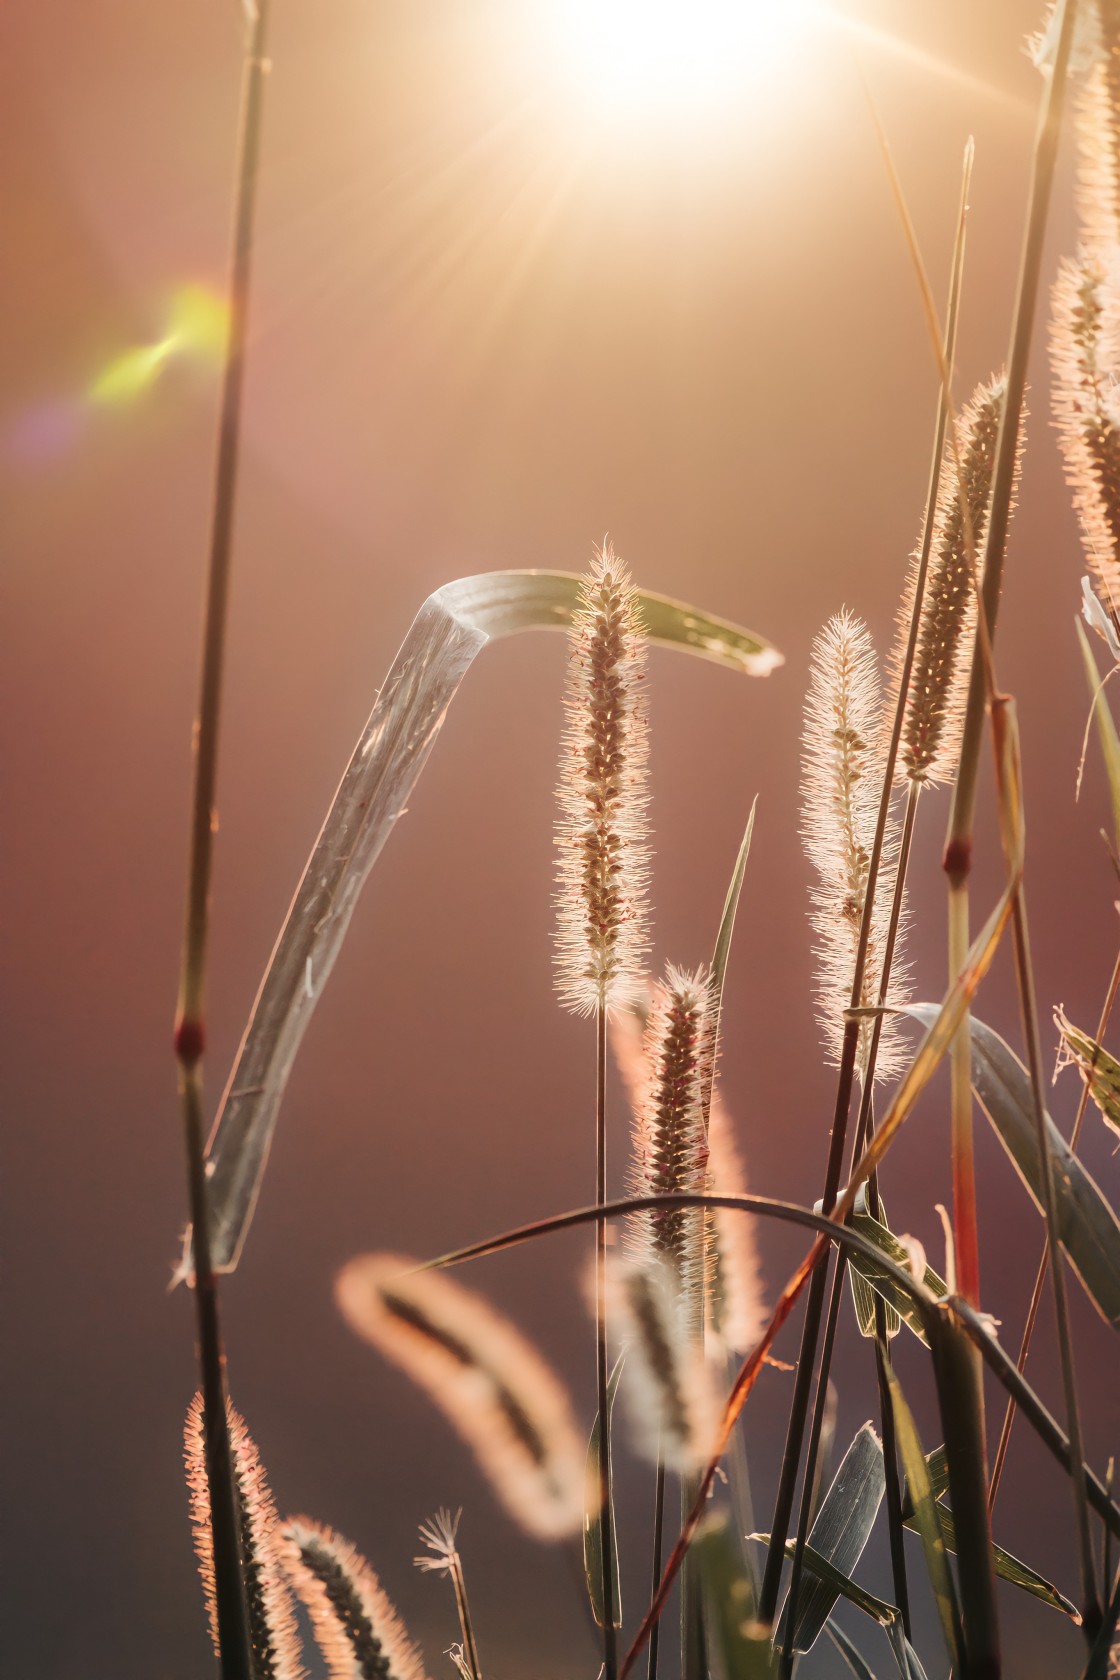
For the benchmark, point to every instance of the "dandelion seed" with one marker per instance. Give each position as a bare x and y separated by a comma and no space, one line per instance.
359,1632
491,1384
272,1629
670,1145
602,833
1084,353
937,694
669,1381
843,764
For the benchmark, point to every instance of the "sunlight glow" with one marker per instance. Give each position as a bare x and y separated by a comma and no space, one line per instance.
652,54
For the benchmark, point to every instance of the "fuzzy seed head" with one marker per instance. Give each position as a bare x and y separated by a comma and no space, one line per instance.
603,869
1085,354
670,1136
490,1383
669,1381
1097,116
273,1639
935,702
358,1631
843,765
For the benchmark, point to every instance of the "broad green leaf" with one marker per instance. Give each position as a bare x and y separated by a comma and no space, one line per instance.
863,1295
1099,1070
1106,728
593,1521
865,1271
927,1521
1088,1228
838,1537
450,630
743,1644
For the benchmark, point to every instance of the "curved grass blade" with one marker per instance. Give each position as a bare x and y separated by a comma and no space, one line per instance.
1088,1228
727,920
865,1272
863,1295
450,630
852,1657
743,1644
593,1522
1099,1070
838,1537
888,1616
927,1522
1106,728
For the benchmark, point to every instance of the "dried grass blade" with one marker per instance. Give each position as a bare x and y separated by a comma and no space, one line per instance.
450,630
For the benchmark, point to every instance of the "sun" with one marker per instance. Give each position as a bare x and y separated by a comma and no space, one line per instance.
632,56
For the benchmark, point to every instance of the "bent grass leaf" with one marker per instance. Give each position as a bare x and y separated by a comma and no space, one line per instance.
1106,728
864,1271
838,1537
450,630
1088,1228
927,1521
1099,1070
593,1522
863,1294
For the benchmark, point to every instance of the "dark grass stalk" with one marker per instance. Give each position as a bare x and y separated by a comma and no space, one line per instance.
1044,1261
787,1481
826,1231
658,1538
610,1650
864,1129
190,1026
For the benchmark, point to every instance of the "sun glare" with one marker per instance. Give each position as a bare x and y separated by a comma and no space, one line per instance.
630,55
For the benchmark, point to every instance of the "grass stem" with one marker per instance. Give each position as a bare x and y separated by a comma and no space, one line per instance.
610,1654
658,1536
190,1028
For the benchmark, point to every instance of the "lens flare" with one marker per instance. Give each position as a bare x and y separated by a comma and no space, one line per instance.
197,326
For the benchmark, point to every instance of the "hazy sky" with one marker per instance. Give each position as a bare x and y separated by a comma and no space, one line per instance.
492,321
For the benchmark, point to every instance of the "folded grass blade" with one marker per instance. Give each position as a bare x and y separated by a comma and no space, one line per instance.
450,630
593,1521
1088,1228
866,1273
838,1537
1099,1070
927,1522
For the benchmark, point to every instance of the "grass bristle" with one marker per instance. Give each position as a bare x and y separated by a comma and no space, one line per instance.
668,1380
490,1383
359,1632
1084,352
670,1143
935,700
736,1295
843,763
272,1629
603,870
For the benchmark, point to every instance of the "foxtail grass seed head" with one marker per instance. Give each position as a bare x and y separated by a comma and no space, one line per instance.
1084,353
843,765
272,1628
938,690
491,1385
1097,119
603,869
668,1380
736,1295
670,1142
358,1631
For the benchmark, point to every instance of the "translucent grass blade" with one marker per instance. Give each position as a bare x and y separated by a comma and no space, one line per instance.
450,630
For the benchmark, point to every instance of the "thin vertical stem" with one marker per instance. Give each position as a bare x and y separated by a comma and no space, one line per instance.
610,1653
799,1406
190,1027
1044,1261
658,1540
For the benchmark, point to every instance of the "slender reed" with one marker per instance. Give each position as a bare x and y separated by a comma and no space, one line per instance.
190,1021
799,1406
601,901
